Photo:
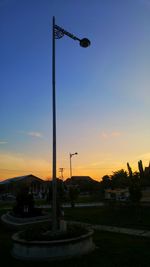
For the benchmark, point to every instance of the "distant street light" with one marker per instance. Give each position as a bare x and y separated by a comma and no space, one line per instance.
71,163
58,33
61,170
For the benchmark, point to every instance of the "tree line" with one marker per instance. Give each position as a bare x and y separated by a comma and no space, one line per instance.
134,181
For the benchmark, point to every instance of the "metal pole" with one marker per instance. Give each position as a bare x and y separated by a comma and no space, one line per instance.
70,166
54,185
84,43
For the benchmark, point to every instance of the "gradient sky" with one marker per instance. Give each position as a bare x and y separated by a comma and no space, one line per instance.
103,92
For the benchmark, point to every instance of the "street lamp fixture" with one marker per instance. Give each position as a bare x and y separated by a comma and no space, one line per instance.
60,32
85,42
57,33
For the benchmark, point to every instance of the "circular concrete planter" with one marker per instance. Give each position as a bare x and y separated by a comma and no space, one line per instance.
52,250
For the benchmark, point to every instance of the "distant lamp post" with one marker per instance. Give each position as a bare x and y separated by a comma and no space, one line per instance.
71,163
57,33
61,170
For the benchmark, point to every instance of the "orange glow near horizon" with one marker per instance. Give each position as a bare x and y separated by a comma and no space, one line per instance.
93,164
95,173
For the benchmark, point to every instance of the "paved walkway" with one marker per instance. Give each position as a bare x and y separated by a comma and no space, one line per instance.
115,229
68,205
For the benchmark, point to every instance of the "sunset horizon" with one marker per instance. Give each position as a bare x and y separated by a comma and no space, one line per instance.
102,93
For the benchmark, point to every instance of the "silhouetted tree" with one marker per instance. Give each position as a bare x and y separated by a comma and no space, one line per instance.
135,193
119,179
140,166
104,184
106,181
129,170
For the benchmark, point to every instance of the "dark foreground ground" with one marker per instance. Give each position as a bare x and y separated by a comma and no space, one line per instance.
120,215
113,250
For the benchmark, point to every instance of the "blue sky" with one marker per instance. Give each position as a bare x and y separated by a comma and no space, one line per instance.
103,91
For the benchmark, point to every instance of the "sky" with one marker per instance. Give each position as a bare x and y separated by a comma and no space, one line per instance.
102,92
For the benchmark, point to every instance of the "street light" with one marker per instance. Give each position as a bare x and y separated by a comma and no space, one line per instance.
70,162
57,33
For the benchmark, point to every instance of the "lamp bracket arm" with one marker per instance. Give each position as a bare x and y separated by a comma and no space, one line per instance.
67,33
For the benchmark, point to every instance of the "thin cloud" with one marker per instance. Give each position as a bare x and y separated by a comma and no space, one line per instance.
114,134
3,142
32,133
104,135
35,134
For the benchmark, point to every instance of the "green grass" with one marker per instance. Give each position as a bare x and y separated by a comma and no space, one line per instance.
113,215
6,204
121,216
87,199
39,202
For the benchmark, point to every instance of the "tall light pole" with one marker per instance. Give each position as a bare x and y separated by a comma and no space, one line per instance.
71,163
57,33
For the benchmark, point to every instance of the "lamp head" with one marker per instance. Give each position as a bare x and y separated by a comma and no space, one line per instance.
85,42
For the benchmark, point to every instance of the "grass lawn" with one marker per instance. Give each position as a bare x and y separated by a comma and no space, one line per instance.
113,250
113,215
87,199
6,204
121,216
